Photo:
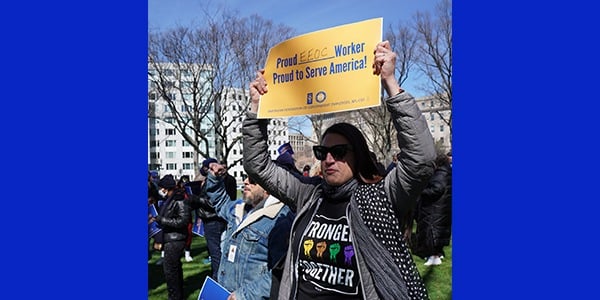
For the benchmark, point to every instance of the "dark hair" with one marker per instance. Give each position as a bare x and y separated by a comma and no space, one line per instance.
364,167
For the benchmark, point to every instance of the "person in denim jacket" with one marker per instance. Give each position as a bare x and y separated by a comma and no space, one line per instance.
256,238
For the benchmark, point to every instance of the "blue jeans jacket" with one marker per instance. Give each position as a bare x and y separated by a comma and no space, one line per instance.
252,244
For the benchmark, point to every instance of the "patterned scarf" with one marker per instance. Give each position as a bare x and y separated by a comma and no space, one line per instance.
394,273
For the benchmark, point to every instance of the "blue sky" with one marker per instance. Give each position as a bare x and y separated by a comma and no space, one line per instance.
304,16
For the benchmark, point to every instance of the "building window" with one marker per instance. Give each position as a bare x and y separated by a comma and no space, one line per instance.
154,155
441,128
185,143
431,116
171,166
188,166
170,143
170,132
170,154
188,154
234,151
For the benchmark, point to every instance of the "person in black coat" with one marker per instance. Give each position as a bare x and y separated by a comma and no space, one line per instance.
434,214
173,218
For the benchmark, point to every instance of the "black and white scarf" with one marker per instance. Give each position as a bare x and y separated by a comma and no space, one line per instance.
376,232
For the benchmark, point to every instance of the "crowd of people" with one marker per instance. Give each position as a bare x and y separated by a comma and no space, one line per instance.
344,232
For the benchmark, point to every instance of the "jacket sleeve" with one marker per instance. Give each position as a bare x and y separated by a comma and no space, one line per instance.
415,163
179,219
276,180
199,201
436,186
218,197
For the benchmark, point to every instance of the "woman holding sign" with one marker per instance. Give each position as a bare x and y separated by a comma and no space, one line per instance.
346,239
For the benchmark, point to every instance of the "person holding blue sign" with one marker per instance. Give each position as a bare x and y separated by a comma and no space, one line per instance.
346,242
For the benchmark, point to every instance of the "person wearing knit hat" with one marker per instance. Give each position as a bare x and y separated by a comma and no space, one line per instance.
167,182
173,218
285,148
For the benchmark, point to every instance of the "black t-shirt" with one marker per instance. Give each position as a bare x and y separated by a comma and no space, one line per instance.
326,263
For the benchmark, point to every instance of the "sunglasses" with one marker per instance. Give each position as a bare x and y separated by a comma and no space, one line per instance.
250,181
337,152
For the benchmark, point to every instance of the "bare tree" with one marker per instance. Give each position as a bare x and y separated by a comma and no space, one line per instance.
377,121
435,59
202,75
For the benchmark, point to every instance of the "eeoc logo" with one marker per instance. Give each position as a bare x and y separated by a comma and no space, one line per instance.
320,97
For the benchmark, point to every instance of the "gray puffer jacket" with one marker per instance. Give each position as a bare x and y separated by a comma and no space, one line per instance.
402,185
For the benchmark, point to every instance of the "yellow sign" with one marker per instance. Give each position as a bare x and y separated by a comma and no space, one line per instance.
325,71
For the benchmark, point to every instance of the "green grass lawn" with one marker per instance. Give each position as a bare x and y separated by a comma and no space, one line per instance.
193,273
438,279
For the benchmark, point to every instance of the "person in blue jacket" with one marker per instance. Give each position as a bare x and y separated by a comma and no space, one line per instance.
256,237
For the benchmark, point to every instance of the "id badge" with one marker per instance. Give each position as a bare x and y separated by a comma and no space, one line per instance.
231,254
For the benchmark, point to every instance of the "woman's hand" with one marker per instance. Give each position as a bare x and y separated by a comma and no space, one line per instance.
258,87
385,65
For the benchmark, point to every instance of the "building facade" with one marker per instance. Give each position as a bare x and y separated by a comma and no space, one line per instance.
169,151
438,116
